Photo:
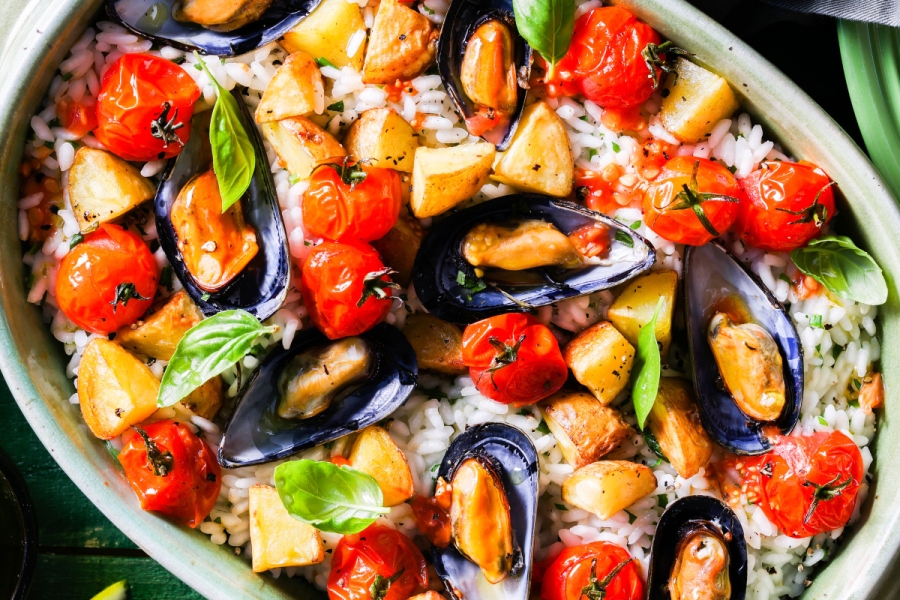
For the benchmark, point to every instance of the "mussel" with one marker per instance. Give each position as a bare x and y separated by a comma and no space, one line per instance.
215,27
746,353
485,65
516,253
698,552
238,259
317,391
492,473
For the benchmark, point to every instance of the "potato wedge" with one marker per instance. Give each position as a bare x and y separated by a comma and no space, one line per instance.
103,187
384,138
585,429
375,453
695,101
601,360
438,344
538,159
636,304
608,486
301,145
115,390
278,539
296,90
326,34
445,177
207,399
399,247
402,44
674,421
157,334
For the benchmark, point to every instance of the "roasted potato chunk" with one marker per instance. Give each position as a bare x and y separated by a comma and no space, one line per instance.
538,159
115,390
601,360
301,145
606,487
207,399
674,421
585,429
326,34
402,44
157,334
296,90
398,248
697,99
103,187
636,304
384,138
278,539
375,453
438,344
444,177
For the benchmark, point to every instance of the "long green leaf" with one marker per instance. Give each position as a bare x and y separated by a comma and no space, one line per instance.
547,25
647,369
836,262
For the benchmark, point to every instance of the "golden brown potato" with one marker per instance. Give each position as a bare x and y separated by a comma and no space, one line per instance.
674,421
606,487
585,429
158,333
399,247
427,596
103,187
296,90
445,177
278,539
402,44
301,145
636,304
696,100
384,138
438,344
326,34
207,399
115,390
601,360
375,453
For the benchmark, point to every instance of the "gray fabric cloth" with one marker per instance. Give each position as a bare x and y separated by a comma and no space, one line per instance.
886,12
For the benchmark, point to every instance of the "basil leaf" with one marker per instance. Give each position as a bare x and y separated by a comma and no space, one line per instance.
234,159
836,262
547,26
647,367
330,498
208,348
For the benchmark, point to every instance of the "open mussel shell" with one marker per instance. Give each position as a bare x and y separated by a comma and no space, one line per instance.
256,434
689,516
512,456
712,276
154,19
440,261
461,22
262,285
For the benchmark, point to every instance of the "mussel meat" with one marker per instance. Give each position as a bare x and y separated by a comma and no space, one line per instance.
220,15
701,568
518,246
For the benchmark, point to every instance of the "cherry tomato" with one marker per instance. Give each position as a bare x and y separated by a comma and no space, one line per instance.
172,470
145,107
513,359
107,281
591,240
786,205
78,116
347,202
345,287
379,562
692,201
808,483
586,567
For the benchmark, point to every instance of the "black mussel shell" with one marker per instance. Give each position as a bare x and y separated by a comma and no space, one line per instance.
684,517
439,261
256,434
711,275
262,286
463,18
512,456
153,19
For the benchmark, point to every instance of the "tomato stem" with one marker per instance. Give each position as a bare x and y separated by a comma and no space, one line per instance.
814,213
125,292
162,462
374,285
351,175
381,585
596,590
825,492
691,197
163,128
652,57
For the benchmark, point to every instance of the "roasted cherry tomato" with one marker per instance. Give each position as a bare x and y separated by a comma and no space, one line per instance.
346,288
346,202
808,483
786,205
692,201
513,359
77,116
172,470
145,107
378,562
107,281
582,571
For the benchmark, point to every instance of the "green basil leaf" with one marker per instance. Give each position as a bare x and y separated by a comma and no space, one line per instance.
647,368
206,350
836,262
547,26
330,498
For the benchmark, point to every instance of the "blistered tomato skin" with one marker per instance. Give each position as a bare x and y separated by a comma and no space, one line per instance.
571,573
107,281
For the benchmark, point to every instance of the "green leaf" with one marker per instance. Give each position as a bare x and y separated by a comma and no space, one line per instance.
117,591
330,498
836,262
206,350
647,369
560,506
547,25
624,238
324,62
542,427
337,106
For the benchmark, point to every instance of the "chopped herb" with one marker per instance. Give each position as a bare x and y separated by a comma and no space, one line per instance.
592,153
75,240
636,225
204,297
785,278
67,76
616,147
471,283
815,321
733,169
54,123
427,10
337,106
631,518
822,421
198,67
542,427
624,238
560,507
165,278
329,445
324,62
653,444
178,60
524,412
662,500
435,467
294,178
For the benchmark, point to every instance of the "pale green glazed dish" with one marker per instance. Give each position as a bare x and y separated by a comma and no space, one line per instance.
33,364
